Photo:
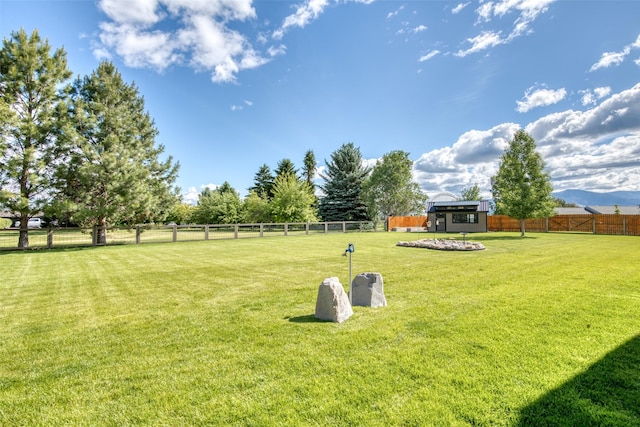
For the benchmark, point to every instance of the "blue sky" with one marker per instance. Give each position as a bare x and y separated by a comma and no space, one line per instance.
235,84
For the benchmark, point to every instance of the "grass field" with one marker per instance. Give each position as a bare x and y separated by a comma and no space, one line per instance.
541,330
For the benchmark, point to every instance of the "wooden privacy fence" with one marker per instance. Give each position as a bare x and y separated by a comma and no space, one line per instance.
626,225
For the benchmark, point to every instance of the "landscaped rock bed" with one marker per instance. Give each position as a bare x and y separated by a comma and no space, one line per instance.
444,245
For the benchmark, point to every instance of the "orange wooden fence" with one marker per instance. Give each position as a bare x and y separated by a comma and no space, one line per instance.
628,225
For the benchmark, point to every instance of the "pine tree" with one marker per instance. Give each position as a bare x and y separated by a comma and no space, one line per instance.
114,174
30,122
263,182
345,174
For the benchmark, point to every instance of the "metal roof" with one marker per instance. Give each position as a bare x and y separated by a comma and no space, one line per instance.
479,205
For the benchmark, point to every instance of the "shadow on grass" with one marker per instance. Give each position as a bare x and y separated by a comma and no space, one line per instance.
309,318
607,394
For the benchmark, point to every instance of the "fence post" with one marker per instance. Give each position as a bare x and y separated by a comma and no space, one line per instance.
547,224
175,233
50,238
624,225
307,228
137,234
94,237
206,232
286,229
344,226
261,230
326,228
594,224
235,231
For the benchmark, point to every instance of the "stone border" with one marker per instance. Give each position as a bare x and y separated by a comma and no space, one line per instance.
444,245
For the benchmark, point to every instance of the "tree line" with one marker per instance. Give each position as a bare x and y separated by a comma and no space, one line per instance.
84,152
80,150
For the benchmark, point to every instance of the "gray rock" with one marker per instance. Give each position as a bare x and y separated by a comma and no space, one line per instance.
367,289
333,302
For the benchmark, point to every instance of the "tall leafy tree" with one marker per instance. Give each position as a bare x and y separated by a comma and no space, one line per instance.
263,182
30,78
470,193
391,190
521,189
256,209
292,201
345,174
219,206
114,174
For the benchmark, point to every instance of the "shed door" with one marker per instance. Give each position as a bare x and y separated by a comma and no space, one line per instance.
441,222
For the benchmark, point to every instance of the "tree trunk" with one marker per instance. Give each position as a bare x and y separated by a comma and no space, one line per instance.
23,239
101,238
522,227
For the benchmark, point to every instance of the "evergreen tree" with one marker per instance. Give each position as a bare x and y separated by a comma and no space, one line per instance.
30,122
263,182
521,189
391,190
309,169
286,167
345,174
113,174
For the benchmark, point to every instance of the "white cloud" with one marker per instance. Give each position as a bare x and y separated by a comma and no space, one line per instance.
591,97
395,12
305,13
527,11
192,194
419,29
534,98
596,149
610,59
138,33
429,55
459,8
484,40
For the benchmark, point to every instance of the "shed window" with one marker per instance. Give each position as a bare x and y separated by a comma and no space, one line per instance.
465,218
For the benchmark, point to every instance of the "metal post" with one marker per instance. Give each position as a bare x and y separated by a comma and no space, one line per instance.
350,250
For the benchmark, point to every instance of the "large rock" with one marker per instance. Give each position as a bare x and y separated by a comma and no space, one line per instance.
367,289
333,302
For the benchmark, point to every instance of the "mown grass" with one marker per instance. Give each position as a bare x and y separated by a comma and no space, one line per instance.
542,330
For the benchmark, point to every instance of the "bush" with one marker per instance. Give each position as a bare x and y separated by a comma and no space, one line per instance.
5,223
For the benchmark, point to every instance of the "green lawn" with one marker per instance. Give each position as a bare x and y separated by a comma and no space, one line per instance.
541,330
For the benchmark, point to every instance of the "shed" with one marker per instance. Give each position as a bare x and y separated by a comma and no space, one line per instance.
469,216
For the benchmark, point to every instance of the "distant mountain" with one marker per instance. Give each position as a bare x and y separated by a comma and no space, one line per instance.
591,198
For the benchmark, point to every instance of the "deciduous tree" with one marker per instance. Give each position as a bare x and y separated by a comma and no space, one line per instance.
470,193
30,123
391,190
292,201
521,189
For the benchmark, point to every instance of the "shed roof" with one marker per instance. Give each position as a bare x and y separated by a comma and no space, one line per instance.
464,205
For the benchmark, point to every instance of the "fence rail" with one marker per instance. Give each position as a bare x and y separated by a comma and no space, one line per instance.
626,225
69,237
